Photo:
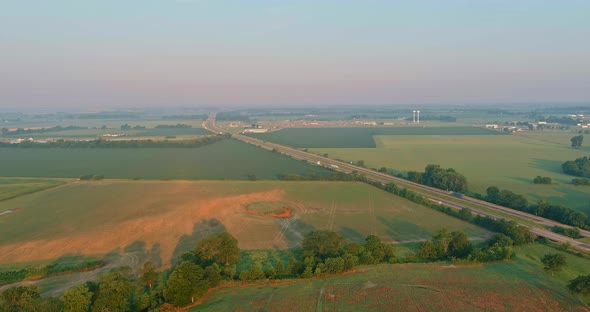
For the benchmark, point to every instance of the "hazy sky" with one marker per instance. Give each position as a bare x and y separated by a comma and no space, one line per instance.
123,53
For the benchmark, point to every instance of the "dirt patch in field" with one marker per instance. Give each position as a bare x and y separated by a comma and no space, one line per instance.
286,213
165,228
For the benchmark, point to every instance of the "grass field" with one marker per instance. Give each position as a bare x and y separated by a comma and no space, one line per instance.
111,216
94,133
228,159
13,187
519,285
509,161
357,137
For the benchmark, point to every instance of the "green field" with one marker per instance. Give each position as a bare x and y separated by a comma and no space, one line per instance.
508,161
97,132
519,285
357,137
228,159
110,216
13,187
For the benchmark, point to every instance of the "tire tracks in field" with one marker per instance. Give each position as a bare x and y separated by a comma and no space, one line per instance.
373,221
285,224
331,216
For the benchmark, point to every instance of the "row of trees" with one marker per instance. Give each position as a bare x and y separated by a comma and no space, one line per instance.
176,126
579,167
542,180
128,127
444,179
121,144
31,273
542,208
581,181
446,245
18,131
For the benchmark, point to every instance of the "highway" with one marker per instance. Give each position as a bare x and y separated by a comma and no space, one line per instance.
439,197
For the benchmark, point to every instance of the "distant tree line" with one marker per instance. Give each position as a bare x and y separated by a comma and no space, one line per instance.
121,143
579,167
194,116
441,178
19,131
542,208
560,120
176,126
128,127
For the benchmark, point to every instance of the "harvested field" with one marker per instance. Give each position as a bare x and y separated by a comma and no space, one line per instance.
167,218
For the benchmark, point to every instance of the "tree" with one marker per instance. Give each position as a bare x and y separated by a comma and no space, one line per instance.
553,262
580,285
185,283
380,250
221,248
213,275
459,246
334,265
493,194
322,244
77,299
577,141
113,293
465,214
256,273
441,241
20,298
428,250
149,275
578,167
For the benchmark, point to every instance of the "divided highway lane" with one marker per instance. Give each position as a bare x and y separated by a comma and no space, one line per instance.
384,178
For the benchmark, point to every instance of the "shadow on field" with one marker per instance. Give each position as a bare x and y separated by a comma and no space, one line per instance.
547,165
521,179
133,256
200,230
402,230
293,230
352,235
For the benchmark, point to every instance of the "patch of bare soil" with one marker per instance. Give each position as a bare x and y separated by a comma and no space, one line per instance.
164,228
